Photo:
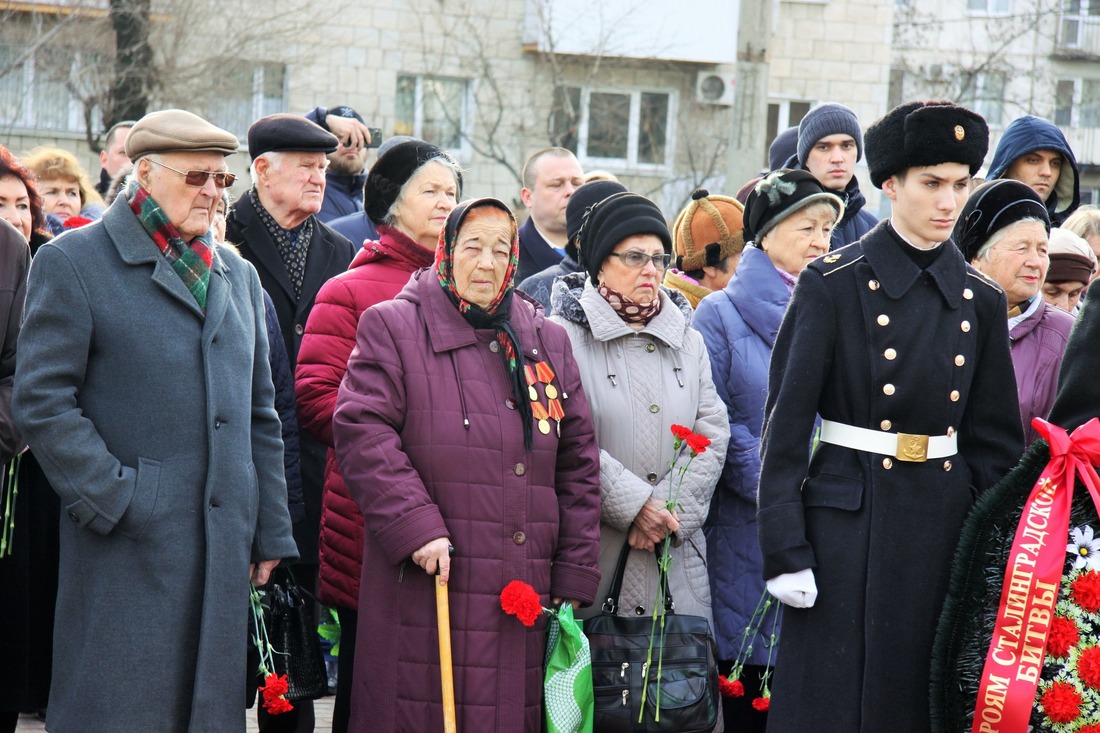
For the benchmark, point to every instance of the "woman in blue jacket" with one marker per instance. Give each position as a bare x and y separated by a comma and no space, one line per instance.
789,218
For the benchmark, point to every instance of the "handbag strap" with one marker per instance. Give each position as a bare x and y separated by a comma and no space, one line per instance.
611,602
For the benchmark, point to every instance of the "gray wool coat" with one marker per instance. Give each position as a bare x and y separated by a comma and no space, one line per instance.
156,426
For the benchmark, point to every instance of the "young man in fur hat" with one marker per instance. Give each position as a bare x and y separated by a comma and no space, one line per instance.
902,349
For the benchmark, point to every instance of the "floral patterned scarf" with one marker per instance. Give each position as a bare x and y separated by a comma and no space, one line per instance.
190,261
497,315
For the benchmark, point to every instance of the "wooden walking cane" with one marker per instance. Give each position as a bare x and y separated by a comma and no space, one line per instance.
446,670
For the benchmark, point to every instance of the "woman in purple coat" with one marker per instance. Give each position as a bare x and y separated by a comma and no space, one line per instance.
462,423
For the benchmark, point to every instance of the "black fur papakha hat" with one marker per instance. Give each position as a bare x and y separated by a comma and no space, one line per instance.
918,134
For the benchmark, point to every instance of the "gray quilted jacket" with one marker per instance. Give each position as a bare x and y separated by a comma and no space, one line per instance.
640,383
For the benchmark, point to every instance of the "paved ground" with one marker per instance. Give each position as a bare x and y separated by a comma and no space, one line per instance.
322,709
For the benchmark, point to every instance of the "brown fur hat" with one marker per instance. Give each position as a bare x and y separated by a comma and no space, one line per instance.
707,231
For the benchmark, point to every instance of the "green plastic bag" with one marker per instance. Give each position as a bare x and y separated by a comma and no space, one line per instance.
567,685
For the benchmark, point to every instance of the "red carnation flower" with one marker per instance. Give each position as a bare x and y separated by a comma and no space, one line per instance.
680,432
278,706
1088,666
762,704
1090,728
275,685
1085,591
697,443
1061,702
522,601
75,222
730,688
1063,637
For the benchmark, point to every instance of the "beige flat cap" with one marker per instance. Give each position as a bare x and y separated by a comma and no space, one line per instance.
176,131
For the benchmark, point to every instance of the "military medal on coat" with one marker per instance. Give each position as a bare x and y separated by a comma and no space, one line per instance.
542,373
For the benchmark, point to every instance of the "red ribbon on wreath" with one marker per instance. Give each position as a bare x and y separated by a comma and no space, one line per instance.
1030,589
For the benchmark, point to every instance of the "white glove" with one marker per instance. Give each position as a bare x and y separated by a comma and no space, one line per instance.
797,590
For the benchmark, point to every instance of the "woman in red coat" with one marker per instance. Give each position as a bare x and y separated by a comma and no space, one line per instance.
462,422
409,192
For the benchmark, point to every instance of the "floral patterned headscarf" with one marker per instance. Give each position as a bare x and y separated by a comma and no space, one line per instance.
497,315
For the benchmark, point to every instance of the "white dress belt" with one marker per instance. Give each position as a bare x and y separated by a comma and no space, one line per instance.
902,446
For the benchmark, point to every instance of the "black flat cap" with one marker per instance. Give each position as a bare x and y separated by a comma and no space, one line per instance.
921,134
286,132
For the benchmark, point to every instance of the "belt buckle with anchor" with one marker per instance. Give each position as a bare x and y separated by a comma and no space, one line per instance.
912,448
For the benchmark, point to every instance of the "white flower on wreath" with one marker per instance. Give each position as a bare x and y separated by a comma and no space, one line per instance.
1084,548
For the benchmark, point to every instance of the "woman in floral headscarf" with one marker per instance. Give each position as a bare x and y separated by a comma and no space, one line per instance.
462,423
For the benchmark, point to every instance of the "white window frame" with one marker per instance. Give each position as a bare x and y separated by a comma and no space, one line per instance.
1075,106
630,162
989,11
27,116
465,129
255,97
980,98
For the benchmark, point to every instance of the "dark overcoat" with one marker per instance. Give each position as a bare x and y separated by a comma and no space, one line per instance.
155,424
873,340
430,448
329,255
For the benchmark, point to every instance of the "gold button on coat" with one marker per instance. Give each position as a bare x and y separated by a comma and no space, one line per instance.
654,409
890,354
947,465
960,360
494,346
969,295
650,347
873,284
950,432
954,395
888,389
651,477
886,424
883,320
965,326
887,463
519,538
520,469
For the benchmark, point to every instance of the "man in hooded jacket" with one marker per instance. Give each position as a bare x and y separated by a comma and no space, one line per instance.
1034,151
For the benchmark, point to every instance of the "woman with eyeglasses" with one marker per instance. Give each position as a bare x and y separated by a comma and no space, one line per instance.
644,369
788,221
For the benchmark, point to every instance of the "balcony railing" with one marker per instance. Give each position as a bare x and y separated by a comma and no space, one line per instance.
1079,36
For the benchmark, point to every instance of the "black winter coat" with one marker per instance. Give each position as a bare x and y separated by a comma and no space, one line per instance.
872,340
329,255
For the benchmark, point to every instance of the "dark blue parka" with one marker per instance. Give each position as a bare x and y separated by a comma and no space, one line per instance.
739,324
1026,135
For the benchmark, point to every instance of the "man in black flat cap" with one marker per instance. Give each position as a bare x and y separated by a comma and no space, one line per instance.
276,228
902,350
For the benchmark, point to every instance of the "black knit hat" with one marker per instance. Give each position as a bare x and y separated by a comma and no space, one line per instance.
778,195
993,206
614,219
582,199
919,134
391,171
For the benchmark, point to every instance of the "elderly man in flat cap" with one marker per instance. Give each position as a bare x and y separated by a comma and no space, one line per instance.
143,388
902,349
276,228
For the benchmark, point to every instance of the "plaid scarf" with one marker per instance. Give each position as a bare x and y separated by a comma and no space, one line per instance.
292,244
497,315
190,261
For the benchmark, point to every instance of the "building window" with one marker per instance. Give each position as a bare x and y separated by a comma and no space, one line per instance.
436,109
47,89
989,6
782,115
252,90
984,92
614,128
1077,103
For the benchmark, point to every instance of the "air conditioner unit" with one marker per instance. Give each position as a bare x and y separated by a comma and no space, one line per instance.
714,88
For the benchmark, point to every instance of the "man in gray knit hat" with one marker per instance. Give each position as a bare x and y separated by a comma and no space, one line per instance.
830,143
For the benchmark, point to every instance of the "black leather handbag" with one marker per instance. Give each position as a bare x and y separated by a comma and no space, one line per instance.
688,681
292,630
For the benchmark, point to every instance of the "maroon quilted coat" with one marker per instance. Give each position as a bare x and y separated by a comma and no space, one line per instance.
378,272
430,448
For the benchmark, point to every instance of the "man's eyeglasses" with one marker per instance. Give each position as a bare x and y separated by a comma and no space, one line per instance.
198,179
636,260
